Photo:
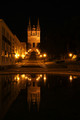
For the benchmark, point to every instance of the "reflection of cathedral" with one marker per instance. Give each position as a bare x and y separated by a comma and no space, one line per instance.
33,35
33,94
33,90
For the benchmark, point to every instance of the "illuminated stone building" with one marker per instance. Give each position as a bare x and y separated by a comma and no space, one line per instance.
9,45
6,44
23,48
33,34
17,45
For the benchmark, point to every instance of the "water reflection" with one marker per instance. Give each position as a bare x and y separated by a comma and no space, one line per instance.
9,90
10,86
33,90
33,94
43,91
71,78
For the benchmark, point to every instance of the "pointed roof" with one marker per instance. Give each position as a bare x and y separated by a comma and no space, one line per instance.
38,25
29,21
29,26
38,22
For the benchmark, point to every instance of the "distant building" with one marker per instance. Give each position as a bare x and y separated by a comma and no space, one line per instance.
33,34
9,45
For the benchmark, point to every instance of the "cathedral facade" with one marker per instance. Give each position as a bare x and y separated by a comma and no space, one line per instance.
33,34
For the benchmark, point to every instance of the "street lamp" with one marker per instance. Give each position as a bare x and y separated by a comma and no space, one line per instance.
44,56
70,55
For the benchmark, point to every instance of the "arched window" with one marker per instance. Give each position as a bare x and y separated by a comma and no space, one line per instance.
33,44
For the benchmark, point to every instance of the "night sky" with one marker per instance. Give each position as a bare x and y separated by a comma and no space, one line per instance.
59,22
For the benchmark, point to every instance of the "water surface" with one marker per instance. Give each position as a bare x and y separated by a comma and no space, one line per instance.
39,96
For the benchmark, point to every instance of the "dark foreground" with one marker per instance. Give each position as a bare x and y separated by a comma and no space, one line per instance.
42,96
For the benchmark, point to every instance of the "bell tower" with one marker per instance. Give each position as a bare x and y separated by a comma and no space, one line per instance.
29,29
38,29
33,35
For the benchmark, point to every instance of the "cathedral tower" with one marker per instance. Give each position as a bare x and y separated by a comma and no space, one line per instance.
33,35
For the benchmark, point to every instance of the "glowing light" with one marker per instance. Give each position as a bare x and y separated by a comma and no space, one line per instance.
70,54
23,76
26,77
38,51
41,75
29,50
44,55
17,55
40,56
74,57
70,78
45,78
75,77
14,78
23,56
26,53
38,78
29,79
17,78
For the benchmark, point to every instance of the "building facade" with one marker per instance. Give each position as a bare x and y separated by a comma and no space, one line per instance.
10,46
6,44
33,34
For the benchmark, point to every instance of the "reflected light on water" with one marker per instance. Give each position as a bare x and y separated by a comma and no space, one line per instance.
45,78
75,77
17,78
23,76
38,94
70,78
29,79
39,77
26,77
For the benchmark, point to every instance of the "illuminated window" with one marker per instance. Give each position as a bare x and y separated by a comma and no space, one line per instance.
3,30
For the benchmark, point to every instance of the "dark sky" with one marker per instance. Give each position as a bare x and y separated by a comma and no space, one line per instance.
59,21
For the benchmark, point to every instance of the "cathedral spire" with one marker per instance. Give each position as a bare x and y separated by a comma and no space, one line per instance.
38,22
29,26
29,21
38,25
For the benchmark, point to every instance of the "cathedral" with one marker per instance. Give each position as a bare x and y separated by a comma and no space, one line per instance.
33,34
